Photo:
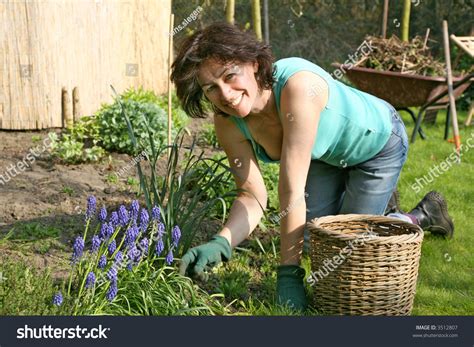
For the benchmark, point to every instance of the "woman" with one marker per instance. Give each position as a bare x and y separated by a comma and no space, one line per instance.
340,150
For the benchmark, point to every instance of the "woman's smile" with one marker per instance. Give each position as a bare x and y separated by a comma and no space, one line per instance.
234,103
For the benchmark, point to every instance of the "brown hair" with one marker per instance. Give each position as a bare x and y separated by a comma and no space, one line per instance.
225,43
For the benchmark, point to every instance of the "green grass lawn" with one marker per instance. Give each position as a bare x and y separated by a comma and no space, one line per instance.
248,282
446,277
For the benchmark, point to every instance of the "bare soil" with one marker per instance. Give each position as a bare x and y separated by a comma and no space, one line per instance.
52,194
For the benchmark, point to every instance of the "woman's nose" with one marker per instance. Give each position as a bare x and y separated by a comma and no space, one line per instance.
226,93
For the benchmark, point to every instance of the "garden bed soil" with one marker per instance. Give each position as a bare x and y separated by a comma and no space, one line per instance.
52,194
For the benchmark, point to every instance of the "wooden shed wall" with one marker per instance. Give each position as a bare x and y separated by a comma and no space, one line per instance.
47,45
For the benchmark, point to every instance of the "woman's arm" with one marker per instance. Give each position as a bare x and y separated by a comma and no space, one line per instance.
300,109
248,207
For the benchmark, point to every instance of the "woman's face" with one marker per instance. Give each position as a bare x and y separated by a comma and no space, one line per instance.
231,87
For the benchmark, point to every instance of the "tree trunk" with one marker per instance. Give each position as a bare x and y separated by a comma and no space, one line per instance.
257,21
406,20
229,11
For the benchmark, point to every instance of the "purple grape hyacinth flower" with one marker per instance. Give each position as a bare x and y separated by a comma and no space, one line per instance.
102,262
144,219
119,257
95,244
134,255
78,249
161,229
106,230
58,299
103,215
114,219
124,217
131,236
176,235
112,292
156,213
103,231
169,258
134,208
91,207
144,245
112,247
159,247
112,274
90,280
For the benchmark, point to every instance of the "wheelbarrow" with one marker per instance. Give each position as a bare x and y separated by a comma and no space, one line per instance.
404,90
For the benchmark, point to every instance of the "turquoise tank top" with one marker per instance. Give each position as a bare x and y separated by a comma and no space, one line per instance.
353,127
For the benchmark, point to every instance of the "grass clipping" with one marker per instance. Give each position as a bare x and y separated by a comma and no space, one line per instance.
413,57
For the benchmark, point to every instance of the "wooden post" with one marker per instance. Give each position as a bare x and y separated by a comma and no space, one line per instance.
170,62
67,118
469,116
452,101
384,19
76,108
266,22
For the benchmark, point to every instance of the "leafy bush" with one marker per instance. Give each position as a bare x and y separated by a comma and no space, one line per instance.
180,119
113,129
79,144
88,139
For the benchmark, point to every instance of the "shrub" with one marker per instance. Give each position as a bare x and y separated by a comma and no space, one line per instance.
79,144
88,139
113,129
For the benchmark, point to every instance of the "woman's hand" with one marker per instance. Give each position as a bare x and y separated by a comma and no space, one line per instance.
208,255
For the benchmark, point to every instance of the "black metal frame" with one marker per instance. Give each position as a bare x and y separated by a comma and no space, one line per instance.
433,102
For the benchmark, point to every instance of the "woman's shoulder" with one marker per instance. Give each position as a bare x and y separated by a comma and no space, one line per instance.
287,67
295,63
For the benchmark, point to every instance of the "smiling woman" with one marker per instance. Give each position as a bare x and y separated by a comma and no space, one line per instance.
339,148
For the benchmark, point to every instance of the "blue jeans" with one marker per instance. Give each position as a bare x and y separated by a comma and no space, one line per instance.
364,188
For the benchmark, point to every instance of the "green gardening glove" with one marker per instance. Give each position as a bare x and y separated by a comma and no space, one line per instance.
290,287
208,255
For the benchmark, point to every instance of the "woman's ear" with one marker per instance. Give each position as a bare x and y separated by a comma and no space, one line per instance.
255,67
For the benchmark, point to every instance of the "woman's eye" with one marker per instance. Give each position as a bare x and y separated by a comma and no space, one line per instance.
209,89
230,76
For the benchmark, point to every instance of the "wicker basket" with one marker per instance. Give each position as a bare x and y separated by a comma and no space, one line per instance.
364,264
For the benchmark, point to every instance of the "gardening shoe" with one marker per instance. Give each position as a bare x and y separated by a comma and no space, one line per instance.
394,203
432,215
290,287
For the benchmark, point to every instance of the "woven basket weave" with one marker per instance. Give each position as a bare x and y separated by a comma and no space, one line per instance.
364,264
